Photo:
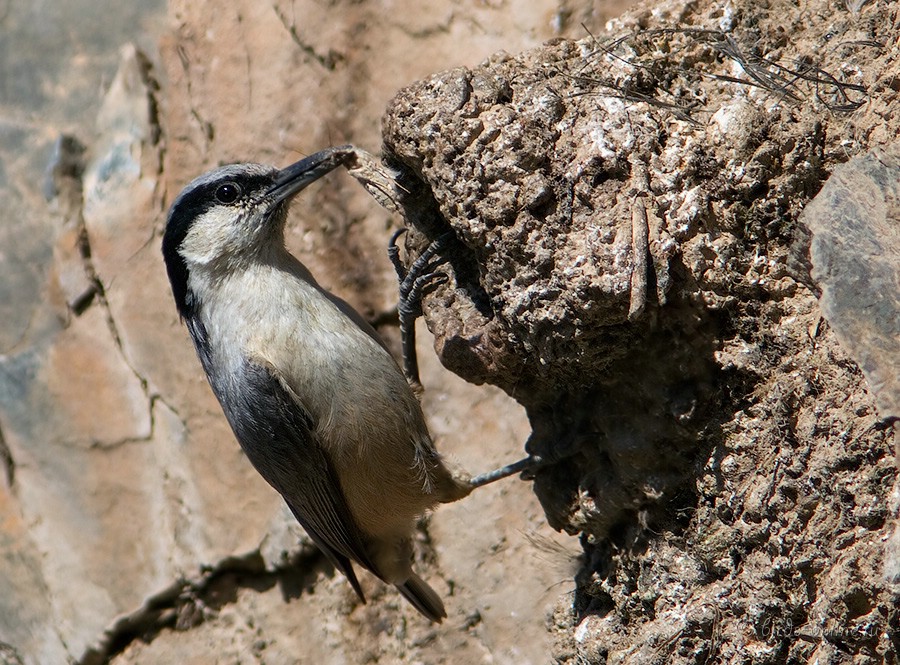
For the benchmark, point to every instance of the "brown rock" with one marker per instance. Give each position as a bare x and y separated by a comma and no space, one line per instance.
127,506
630,268
627,271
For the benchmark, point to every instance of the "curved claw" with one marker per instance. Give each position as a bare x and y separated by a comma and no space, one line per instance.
411,306
394,253
413,283
423,263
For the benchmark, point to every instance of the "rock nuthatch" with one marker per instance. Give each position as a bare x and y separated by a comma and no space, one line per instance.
317,403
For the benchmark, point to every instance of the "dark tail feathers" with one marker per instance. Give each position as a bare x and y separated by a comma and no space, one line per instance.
423,598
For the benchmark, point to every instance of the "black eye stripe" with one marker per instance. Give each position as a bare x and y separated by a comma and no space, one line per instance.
188,206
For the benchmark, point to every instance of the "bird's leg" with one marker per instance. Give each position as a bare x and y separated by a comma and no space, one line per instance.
529,463
556,439
412,284
409,310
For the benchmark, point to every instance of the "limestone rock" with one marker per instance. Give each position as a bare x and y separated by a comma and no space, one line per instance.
631,267
127,509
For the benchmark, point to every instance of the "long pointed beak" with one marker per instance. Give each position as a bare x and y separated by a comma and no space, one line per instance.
295,177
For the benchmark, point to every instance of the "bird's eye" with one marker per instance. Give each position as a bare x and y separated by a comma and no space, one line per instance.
228,193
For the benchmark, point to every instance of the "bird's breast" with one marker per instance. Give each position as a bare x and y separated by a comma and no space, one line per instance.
344,379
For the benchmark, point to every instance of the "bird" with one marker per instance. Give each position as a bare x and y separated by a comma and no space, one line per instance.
317,403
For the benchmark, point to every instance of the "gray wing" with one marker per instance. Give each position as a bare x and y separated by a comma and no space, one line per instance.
277,434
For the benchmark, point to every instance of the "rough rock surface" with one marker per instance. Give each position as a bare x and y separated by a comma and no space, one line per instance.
131,527
631,267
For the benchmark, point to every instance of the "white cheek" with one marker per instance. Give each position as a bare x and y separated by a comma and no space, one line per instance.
214,235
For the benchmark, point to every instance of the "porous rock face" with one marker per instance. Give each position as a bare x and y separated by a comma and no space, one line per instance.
631,266
132,528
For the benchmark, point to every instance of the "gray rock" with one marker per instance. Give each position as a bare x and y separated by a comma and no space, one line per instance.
855,252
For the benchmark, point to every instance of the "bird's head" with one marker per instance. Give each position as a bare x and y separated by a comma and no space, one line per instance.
232,215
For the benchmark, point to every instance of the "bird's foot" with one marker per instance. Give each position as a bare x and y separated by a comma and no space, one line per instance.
413,283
